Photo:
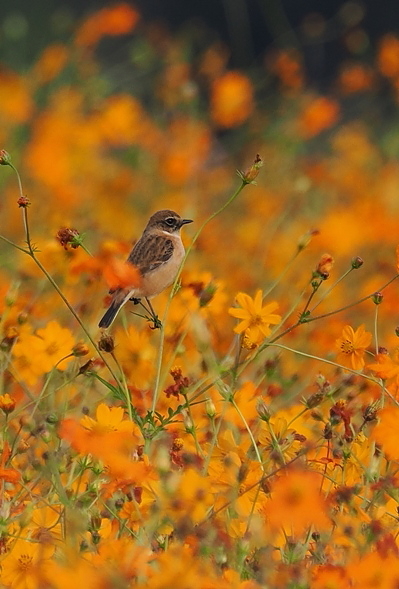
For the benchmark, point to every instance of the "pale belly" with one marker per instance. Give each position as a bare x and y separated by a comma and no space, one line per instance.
156,281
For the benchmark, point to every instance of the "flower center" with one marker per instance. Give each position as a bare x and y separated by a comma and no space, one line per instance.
256,320
25,561
52,349
347,347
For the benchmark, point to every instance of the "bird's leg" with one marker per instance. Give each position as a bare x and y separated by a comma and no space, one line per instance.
154,316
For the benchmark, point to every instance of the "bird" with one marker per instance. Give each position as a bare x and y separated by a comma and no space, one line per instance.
157,255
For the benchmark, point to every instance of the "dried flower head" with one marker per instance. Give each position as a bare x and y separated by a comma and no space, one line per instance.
68,237
106,343
23,202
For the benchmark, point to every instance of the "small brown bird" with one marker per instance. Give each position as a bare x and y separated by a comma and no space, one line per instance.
157,255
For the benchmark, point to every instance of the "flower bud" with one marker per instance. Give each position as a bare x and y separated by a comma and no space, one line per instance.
324,266
249,175
357,262
210,408
5,158
377,298
263,410
306,238
7,403
80,349
314,400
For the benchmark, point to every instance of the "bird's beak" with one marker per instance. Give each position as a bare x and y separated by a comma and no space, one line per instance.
185,221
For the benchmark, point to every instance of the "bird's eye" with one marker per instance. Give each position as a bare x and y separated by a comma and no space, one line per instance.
170,221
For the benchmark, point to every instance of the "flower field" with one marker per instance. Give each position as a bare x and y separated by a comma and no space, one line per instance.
245,437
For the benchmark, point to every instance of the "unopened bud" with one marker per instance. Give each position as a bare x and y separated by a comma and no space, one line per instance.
210,408
7,403
80,349
314,400
5,158
357,262
324,266
251,173
188,423
263,410
377,298
306,238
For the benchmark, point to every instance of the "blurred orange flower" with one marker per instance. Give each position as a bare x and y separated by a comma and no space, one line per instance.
50,63
352,346
231,99
296,503
388,56
16,105
116,20
320,114
386,367
25,567
386,432
255,318
120,274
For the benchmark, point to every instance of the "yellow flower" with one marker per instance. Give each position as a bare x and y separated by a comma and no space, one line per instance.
26,564
255,319
352,345
109,419
58,343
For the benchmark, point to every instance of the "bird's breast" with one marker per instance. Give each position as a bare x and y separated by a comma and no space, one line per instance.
155,281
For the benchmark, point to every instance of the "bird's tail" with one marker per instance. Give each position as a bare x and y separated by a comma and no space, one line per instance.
120,299
110,314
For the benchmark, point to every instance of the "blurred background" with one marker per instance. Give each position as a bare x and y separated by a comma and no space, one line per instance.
114,110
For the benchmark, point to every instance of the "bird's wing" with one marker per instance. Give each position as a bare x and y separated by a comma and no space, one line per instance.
150,252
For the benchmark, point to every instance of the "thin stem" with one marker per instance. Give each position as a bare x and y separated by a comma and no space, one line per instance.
18,178
376,329
254,444
187,253
18,247
323,315
125,387
325,295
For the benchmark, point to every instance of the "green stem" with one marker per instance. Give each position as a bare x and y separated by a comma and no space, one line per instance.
325,295
187,253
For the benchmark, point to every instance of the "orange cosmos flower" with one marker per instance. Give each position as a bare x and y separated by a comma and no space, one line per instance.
232,99
108,419
328,576
255,319
296,503
116,20
388,56
352,345
120,274
51,62
318,116
26,565
386,432
386,367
